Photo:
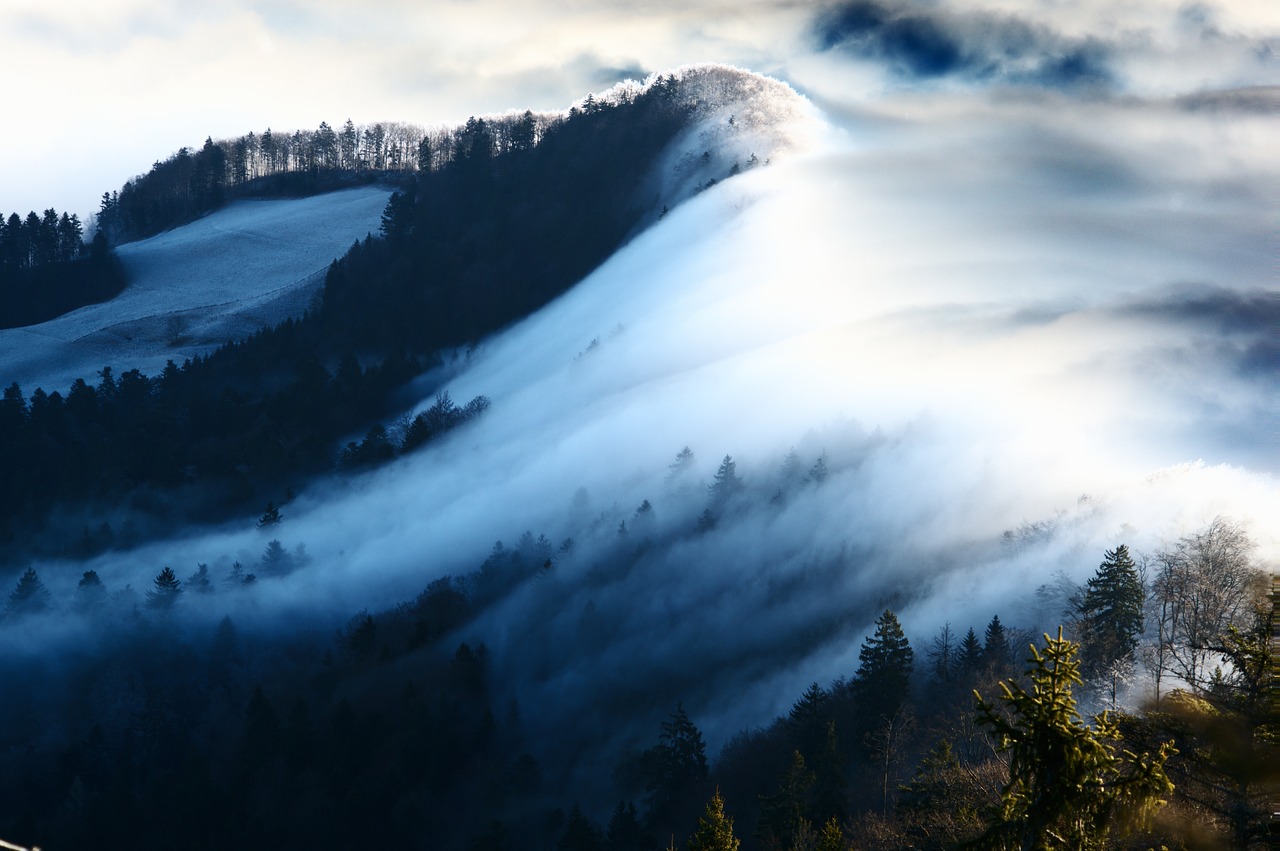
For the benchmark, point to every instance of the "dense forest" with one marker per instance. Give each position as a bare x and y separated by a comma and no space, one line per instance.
46,269
220,435
166,733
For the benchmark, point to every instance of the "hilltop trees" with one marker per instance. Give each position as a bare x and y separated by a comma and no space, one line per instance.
46,269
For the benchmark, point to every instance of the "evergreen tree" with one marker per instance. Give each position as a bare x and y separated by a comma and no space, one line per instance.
939,807
996,652
90,592
726,484
808,718
783,816
1110,612
166,592
29,595
969,656
680,466
626,832
715,829
678,761
199,581
831,784
276,559
270,517
884,670
831,837
580,834
1068,788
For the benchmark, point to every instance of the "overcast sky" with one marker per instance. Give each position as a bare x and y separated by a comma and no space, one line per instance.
100,89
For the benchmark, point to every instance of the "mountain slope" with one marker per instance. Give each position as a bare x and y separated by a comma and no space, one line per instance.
191,289
988,365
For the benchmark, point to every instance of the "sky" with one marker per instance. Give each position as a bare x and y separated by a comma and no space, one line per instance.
107,87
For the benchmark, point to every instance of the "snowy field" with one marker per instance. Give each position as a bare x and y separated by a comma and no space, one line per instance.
191,289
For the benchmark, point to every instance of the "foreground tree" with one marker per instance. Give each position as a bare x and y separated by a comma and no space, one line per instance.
715,829
1067,787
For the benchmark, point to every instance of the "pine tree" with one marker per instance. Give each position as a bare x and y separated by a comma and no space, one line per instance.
580,834
885,663
831,838
680,466
270,517
90,592
626,832
726,484
166,592
1068,788
1110,612
969,656
783,816
996,652
677,761
29,596
807,720
715,829
831,786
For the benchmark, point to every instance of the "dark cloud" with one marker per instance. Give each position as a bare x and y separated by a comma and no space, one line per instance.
1263,100
607,76
929,43
1212,309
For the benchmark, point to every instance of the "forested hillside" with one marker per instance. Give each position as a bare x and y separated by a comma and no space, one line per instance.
394,731
511,213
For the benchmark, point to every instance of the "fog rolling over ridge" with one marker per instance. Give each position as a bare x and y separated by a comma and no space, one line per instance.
978,313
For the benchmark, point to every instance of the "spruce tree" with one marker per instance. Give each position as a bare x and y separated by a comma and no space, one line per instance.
676,762
1068,787
1110,612
166,591
969,656
726,484
29,595
996,652
885,663
715,829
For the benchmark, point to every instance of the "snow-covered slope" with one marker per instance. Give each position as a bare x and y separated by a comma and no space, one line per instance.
192,288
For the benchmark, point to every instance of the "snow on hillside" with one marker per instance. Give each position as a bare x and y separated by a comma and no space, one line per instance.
191,289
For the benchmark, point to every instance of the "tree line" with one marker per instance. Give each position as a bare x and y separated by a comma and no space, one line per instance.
195,181
513,212
47,270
